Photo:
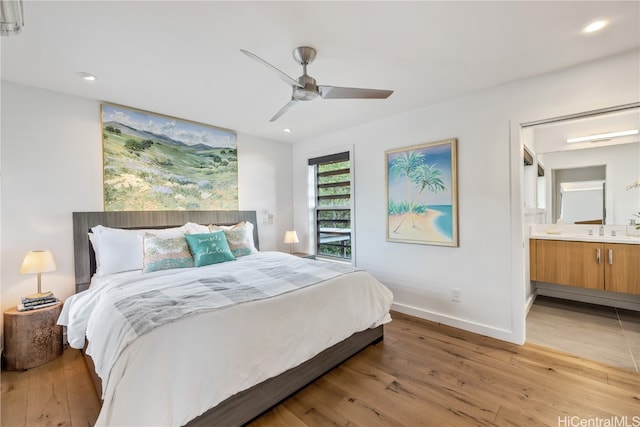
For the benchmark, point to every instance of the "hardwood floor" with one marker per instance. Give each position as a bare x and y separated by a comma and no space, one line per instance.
59,393
421,374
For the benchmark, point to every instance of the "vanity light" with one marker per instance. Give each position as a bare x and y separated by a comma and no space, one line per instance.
603,136
595,26
87,76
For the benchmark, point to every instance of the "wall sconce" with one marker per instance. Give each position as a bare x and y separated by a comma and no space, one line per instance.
38,262
11,17
291,237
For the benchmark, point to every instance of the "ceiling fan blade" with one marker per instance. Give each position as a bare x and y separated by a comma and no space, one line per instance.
283,76
332,92
283,110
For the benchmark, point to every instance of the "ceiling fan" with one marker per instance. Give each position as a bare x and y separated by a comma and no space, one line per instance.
305,87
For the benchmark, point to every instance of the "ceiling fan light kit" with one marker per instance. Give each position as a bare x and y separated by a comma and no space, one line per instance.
304,88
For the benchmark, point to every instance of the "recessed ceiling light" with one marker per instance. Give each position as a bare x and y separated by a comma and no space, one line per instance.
287,130
87,76
595,26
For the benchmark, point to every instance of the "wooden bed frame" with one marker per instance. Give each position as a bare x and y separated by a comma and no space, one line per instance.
248,404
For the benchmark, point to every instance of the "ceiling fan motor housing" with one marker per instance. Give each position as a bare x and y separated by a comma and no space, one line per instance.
308,92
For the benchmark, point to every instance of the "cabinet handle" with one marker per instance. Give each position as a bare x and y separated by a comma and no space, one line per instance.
610,256
598,255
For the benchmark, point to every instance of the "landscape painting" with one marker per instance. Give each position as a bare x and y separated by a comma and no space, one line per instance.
155,162
422,194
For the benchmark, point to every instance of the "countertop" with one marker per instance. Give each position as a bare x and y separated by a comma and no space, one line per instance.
625,234
586,238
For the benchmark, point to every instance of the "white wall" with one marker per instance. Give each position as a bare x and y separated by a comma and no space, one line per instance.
489,265
51,165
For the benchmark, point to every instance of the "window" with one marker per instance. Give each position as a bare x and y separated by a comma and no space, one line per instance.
332,205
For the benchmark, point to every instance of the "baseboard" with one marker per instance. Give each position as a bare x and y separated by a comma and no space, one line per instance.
592,296
529,303
478,328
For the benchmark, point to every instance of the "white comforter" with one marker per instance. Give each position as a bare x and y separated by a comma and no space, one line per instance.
175,372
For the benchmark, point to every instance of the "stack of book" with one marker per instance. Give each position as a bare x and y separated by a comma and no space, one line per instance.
42,300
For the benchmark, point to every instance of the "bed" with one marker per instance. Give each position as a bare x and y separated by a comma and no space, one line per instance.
227,363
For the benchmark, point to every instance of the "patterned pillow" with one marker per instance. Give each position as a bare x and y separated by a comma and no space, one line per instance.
122,249
163,253
239,237
209,248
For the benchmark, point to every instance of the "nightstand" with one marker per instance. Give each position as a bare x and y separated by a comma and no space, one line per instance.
304,255
31,338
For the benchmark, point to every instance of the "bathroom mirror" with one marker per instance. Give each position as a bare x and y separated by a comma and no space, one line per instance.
613,161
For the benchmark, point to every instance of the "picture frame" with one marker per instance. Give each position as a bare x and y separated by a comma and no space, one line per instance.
157,162
422,194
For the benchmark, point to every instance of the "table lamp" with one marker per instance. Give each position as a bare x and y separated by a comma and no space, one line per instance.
38,262
291,237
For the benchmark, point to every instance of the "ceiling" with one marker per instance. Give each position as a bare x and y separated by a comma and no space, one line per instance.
552,137
183,58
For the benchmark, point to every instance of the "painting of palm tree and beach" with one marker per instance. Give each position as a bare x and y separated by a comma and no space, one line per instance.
422,202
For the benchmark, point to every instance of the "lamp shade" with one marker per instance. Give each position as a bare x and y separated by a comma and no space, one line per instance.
38,262
290,236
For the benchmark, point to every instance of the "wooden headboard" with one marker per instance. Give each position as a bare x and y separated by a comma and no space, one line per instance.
84,256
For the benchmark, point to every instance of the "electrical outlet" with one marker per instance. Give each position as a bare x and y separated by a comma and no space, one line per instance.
455,295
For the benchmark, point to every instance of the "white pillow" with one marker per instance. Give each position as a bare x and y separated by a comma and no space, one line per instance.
117,249
122,250
194,228
166,233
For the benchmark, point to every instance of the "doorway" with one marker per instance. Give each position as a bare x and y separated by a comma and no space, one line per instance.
602,168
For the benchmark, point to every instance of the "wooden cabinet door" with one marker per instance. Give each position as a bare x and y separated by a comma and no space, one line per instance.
533,262
622,272
570,263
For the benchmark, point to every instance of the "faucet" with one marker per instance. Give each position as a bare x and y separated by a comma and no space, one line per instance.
601,230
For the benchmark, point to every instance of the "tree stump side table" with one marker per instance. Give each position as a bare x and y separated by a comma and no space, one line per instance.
31,338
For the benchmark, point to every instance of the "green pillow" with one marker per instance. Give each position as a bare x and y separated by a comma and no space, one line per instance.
209,248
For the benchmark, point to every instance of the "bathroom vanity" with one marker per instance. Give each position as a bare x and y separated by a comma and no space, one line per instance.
583,258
